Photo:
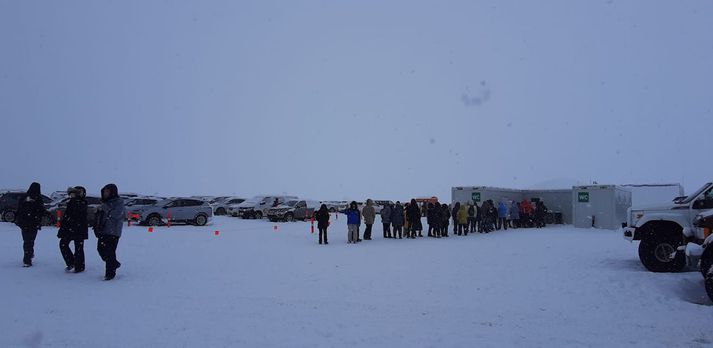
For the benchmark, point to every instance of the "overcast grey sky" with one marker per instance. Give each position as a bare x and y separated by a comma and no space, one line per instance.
354,99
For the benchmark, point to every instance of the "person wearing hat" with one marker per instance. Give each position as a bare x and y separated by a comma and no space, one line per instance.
73,228
30,210
109,223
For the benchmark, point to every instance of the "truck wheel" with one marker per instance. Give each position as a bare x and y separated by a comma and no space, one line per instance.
220,211
258,215
706,260
289,217
153,220
8,216
201,220
655,253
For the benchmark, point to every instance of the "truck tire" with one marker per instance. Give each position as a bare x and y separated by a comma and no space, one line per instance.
289,217
706,260
220,211
200,220
655,252
258,215
8,216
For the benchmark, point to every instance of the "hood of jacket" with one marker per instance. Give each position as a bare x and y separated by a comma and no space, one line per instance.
34,190
113,192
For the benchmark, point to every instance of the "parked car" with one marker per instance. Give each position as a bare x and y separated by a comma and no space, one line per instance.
9,201
292,210
256,207
335,206
133,205
181,210
93,204
221,207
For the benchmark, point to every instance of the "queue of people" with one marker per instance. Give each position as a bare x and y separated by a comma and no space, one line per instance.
404,220
74,227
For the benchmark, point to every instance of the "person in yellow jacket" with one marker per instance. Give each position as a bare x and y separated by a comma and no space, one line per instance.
462,220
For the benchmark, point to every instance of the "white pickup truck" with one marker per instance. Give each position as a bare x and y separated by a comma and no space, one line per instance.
665,231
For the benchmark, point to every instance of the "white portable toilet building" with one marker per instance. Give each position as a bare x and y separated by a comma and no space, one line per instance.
600,206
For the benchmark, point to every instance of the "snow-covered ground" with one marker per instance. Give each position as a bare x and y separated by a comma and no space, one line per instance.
255,286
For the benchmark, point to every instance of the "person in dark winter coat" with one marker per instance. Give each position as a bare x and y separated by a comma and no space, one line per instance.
478,217
386,219
369,215
322,217
108,226
414,218
445,216
435,214
472,213
454,215
431,220
397,219
540,212
73,228
30,210
493,214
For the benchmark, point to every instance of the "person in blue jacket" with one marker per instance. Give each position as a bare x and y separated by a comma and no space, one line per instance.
502,215
353,222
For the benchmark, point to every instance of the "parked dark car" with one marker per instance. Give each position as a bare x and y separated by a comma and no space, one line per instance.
8,205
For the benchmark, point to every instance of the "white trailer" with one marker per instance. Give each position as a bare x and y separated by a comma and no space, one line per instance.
600,206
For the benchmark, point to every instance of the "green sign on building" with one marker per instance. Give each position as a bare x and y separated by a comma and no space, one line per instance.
476,196
583,197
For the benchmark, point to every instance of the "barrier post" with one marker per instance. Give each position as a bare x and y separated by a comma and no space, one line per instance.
59,218
312,223
128,218
168,218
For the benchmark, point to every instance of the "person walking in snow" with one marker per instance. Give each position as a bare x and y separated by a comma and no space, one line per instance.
445,217
108,228
502,216
386,219
414,218
353,222
369,214
30,210
73,228
397,219
322,217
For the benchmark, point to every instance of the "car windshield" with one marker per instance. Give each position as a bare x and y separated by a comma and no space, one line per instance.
291,203
693,196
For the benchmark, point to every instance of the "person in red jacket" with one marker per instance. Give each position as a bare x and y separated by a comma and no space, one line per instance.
527,210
